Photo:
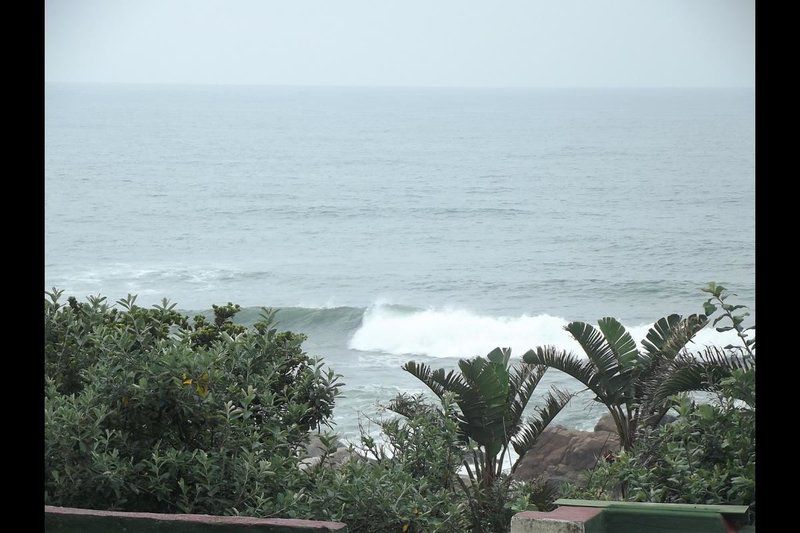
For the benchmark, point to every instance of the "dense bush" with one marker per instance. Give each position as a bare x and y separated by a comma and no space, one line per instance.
410,481
707,456
146,412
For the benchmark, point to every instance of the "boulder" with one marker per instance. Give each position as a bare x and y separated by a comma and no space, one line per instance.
606,423
563,454
334,460
314,448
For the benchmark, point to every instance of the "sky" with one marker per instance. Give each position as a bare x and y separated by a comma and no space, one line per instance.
419,43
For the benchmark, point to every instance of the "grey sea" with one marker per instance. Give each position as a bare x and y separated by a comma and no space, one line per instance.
397,224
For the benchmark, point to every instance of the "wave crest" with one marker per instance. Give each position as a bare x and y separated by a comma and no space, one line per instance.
458,333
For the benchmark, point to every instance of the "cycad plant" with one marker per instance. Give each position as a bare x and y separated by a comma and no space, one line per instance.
491,397
621,376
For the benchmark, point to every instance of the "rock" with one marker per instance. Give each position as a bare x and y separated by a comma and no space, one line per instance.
606,423
334,460
668,419
315,448
563,454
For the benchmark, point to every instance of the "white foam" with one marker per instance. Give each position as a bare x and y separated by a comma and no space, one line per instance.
460,333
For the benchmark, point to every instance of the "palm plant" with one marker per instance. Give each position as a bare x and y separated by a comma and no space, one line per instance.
712,370
729,371
491,398
623,377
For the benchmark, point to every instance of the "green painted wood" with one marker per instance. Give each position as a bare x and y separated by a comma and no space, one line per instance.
740,510
632,520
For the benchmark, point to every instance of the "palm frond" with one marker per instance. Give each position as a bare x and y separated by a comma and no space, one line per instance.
670,334
597,349
526,439
437,380
701,371
664,341
523,381
567,362
620,341
486,407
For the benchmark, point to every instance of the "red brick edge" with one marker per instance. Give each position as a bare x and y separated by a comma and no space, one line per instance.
201,518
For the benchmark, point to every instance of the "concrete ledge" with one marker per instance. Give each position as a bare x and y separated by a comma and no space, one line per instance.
69,520
562,520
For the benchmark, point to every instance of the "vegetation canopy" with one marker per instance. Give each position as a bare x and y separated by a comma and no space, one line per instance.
147,410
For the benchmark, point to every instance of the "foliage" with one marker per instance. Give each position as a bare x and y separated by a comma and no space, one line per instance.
622,376
491,507
707,456
147,411
728,371
142,414
491,398
405,478
428,444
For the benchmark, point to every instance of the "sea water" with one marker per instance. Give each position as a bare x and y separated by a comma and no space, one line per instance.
391,224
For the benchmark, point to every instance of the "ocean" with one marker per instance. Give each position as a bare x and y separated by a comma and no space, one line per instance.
391,224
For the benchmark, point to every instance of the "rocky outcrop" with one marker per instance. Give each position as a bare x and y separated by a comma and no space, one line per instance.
563,454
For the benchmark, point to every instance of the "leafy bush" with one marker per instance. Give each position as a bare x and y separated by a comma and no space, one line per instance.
145,412
422,453
402,481
707,456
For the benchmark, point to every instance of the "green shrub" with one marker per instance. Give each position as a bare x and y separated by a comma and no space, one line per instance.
146,412
707,456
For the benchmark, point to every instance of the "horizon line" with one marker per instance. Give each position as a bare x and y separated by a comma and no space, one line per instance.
337,86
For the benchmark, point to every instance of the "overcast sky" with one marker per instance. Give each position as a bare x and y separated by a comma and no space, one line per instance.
500,43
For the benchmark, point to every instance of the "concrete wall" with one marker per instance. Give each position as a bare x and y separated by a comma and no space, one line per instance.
71,520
